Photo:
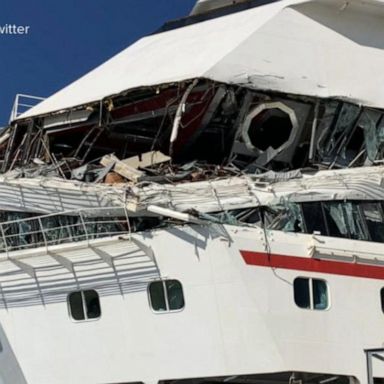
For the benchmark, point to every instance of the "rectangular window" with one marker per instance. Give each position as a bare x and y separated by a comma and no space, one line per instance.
84,305
335,219
320,294
314,218
166,295
157,295
382,298
373,215
310,293
301,292
355,221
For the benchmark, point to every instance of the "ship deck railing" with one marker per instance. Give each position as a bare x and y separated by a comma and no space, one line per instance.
22,103
59,228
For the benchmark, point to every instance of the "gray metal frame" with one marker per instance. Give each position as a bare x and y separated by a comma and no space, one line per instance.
377,353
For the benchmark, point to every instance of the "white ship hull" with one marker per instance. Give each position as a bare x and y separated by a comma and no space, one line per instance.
239,318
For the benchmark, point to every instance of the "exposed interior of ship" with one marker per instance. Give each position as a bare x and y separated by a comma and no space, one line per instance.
179,204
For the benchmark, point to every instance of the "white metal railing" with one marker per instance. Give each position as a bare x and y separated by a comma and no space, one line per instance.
59,228
22,103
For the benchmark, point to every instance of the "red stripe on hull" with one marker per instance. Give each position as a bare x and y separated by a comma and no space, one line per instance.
312,265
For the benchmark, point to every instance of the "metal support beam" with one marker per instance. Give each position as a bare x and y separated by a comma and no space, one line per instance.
370,354
148,251
66,263
29,270
107,258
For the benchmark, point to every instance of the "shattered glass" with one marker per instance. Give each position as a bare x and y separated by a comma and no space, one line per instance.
335,130
288,219
355,222
373,133
335,218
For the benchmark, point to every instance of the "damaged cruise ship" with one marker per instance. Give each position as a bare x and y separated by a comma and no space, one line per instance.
205,207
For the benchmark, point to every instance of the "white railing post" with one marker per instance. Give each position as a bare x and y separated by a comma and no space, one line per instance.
4,239
43,233
29,103
84,226
128,222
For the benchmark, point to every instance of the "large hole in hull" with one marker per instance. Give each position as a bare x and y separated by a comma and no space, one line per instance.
270,128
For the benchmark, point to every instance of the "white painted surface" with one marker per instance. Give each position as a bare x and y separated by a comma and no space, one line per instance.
238,318
47,195
319,48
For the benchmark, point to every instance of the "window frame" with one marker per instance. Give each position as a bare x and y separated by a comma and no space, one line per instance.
164,282
83,301
311,294
381,296
358,205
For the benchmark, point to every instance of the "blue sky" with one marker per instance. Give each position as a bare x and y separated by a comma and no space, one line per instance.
68,38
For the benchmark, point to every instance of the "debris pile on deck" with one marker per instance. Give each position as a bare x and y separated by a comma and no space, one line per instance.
217,141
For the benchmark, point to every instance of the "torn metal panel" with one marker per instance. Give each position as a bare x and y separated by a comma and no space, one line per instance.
70,117
252,191
48,195
253,131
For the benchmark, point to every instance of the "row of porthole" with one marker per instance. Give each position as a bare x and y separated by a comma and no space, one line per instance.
168,296
163,296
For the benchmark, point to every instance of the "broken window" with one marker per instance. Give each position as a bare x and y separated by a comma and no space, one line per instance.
314,218
270,132
358,220
336,126
344,220
355,222
270,128
335,219
371,122
373,214
349,135
287,218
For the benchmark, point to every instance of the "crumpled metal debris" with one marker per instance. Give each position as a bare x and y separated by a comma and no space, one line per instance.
218,126
211,152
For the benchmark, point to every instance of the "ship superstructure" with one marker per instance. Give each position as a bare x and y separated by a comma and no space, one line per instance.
206,206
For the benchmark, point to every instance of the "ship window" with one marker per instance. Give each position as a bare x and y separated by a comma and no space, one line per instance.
313,217
355,222
166,295
373,215
310,293
84,305
335,219
382,298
